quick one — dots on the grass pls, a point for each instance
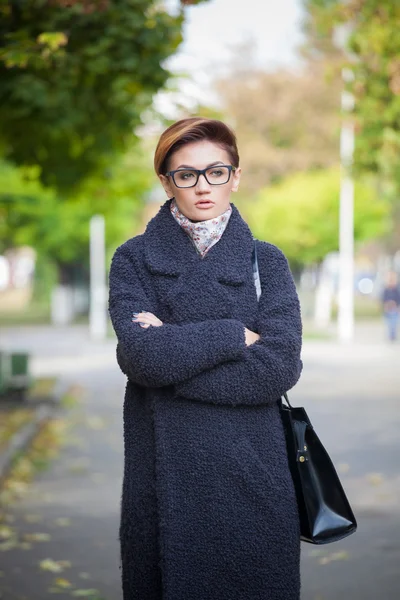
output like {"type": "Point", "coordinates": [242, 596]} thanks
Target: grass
{"type": "Point", "coordinates": [43, 449]}
{"type": "Point", "coordinates": [38, 313]}
{"type": "Point", "coordinates": [13, 421]}
{"type": "Point", "coordinates": [45, 446]}
{"type": "Point", "coordinates": [314, 334]}
{"type": "Point", "coordinates": [42, 387]}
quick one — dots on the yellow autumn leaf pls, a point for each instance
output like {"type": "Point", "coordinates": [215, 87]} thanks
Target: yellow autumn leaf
{"type": "Point", "coordinates": [62, 583]}
{"type": "Point", "coordinates": [334, 556]}
{"type": "Point", "coordinates": [48, 564]}
{"type": "Point", "coordinates": [6, 532]}
{"type": "Point", "coordinates": [37, 537]}
{"type": "Point", "coordinates": [9, 544]}
{"type": "Point", "coordinates": [342, 555]}
{"type": "Point", "coordinates": [375, 478]}
{"type": "Point", "coordinates": [84, 593]}
{"type": "Point", "coordinates": [96, 422]}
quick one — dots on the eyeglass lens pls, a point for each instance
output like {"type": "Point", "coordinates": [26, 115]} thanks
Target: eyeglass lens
{"type": "Point", "coordinates": [214, 175]}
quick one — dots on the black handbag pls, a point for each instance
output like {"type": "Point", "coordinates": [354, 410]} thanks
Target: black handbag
{"type": "Point", "coordinates": [324, 511]}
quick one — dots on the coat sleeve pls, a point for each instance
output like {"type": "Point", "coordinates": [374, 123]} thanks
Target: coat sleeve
{"type": "Point", "coordinates": [169, 354]}
{"type": "Point", "coordinates": [272, 365]}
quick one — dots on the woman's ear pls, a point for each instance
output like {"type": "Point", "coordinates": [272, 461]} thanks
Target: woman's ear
{"type": "Point", "coordinates": [236, 179]}
{"type": "Point", "coordinates": [166, 183]}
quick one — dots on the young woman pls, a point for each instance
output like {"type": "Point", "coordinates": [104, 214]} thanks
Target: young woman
{"type": "Point", "coordinates": [208, 505]}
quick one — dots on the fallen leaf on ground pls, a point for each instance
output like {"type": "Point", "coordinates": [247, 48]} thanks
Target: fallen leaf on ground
{"type": "Point", "coordinates": [9, 545]}
{"type": "Point", "coordinates": [95, 422]}
{"type": "Point", "coordinates": [6, 532]}
{"type": "Point", "coordinates": [55, 566]}
{"type": "Point", "coordinates": [343, 468]}
{"type": "Point", "coordinates": [80, 465]}
{"type": "Point", "coordinates": [37, 537]}
{"type": "Point", "coordinates": [342, 555]}
{"type": "Point", "coordinates": [63, 522]}
{"type": "Point", "coordinates": [375, 478]}
{"type": "Point", "coordinates": [316, 552]}
{"type": "Point", "coordinates": [33, 518]}
{"type": "Point", "coordinates": [25, 546]}
{"type": "Point", "coordinates": [62, 583]}
{"type": "Point", "coordinates": [85, 593]}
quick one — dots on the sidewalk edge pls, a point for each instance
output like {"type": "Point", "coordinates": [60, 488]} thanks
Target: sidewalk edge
{"type": "Point", "coordinates": [21, 440]}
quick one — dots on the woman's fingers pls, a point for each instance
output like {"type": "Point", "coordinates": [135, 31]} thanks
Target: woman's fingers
{"type": "Point", "coordinates": [145, 319]}
{"type": "Point", "coordinates": [251, 336]}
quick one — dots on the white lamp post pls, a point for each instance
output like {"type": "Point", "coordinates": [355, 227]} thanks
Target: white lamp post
{"type": "Point", "coordinates": [346, 220]}
{"type": "Point", "coordinates": [98, 296]}
{"type": "Point", "coordinates": [346, 208]}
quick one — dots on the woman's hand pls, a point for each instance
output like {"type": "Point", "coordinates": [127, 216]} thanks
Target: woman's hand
{"type": "Point", "coordinates": [145, 319]}
{"type": "Point", "coordinates": [251, 336]}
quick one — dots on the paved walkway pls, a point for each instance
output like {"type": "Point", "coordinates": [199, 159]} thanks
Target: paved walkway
{"type": "Point", "coordinates": [351, 394]}
{"type": "Point", "coordinates": [75, 503]}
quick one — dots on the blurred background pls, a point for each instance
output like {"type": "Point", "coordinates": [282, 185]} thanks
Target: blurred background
{"type": "Point", "coordinates": [87, 87]}
{"type": "Point", "coordinates": [312, 89]}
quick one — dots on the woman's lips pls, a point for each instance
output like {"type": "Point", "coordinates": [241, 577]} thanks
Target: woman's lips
{"type": "Point", "coordinates": [204, 204]}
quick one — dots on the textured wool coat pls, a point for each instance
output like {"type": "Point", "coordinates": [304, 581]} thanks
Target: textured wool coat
{"type": "Point", "coordinates": [208, 504]}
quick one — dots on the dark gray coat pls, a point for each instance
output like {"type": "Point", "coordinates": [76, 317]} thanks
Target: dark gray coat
{"type": "Point", "coordinates": [208, 504]}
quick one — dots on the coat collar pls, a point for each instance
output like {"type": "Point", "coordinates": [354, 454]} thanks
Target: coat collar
{"type": "Point", "coordinates": [169, 251]}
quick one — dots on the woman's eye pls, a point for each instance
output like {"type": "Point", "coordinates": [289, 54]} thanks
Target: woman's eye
{"type": "Point", "coordinates": [186, 175]}
{"type": "Point", "coordinates": [216, 173]}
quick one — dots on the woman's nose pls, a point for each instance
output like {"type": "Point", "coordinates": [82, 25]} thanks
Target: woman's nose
{"type": "Point", "coordinates": [202, 184]}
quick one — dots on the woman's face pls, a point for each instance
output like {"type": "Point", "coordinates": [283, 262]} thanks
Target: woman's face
{"type": "Point", "coordinates": [203, 201]}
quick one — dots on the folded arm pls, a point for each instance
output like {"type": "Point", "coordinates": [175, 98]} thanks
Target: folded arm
{"type": "Point", "coordinates": [161, 356]}
{"type": "Point", "coordinates": [272, 365]}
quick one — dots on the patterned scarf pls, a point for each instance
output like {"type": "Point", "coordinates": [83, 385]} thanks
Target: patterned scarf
{"type": "Point", "coordinates": [204, 234]}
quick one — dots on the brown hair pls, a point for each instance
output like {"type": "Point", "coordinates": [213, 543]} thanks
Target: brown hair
{"type": "Point", "coordinates": [194, 129]}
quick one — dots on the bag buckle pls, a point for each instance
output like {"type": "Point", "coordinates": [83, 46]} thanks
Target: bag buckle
{"type": "Point", "coordinates": [302, 455]}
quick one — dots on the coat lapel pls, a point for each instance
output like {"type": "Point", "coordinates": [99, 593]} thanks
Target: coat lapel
{"type": "Point", "coordinates": [169, 251]}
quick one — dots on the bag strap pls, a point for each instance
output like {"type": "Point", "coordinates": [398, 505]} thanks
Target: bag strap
{"type": "Point", "coordinates": [256, 272]}
{"type": "Point", "coordinates": [257, 283]}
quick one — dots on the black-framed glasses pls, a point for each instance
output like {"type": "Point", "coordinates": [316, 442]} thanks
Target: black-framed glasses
{"type": "Point", "coordinates": [187, 178]}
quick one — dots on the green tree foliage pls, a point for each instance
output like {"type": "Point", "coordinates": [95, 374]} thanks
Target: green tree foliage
{"type": "Point", "coordinates": [75, 77]}
{"type": "Point", "coordinates": [374, 46]}
{"type": "Point", "coordinates": [31, 214]}
{"type": "Point", "coordinates": [300, 214]}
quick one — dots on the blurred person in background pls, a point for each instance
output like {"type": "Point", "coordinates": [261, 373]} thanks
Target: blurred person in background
{"type": "Point", "coordinates": [391, 304]}
{"type": "Point", "coordinates": [208, 503]}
